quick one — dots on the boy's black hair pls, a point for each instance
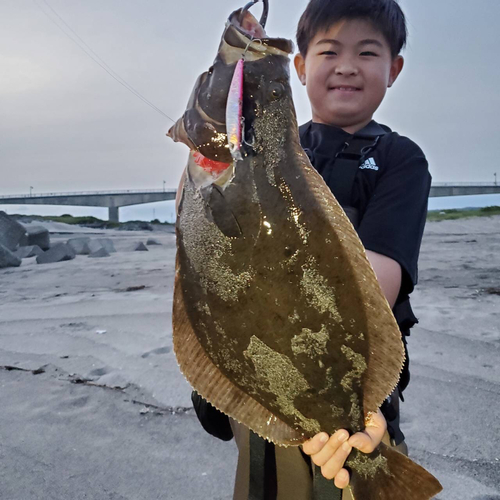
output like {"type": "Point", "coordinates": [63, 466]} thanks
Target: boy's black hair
{"type": "Point", "coordinates": [385, 15]}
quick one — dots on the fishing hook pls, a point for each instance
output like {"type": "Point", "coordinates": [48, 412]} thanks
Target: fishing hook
{"type": "Point", "coordinates": [263, 18]}
{"type": "Point", "coordinates": [250, 144]}
{"type": "Point", "coordinates": [257, 40]}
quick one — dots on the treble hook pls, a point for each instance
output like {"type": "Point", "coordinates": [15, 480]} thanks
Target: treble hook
{"type": "Point", "coordinates": [263, 18]}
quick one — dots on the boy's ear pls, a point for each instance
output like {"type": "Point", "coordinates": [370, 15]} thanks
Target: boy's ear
{"type": "Point", "coordinates": [300, 67]}
{"type": "Point", "coordinates": [396, 68]}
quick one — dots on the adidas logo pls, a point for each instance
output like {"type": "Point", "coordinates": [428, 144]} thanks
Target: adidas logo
{"type": "Point", "coordinates": [370, 164]}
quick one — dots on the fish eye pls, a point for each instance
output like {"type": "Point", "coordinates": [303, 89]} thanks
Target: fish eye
{"type": "Point", "coordinates": [210, 70]}
{"type": "Point", "coordinates": [276, 90]}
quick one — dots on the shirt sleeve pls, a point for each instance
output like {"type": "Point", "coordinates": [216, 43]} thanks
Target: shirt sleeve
{"type": "Point", "coordinates": [394, 220]}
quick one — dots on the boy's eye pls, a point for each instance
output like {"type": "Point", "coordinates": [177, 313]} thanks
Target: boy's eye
{"type": "Point", "coordinates": [328, 53]}
{"type": "Point", "coordinates": [368, 54]}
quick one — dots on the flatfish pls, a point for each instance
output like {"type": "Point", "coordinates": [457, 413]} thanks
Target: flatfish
{"type": "Point", "coordinates": [278, 318]}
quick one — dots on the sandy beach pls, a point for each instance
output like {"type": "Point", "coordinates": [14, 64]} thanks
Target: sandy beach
{"type": "Point", "coordinates": [94, 405]}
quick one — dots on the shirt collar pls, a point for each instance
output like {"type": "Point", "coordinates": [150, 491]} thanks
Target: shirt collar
{"type": "Point", "coordinates": [372, 128]}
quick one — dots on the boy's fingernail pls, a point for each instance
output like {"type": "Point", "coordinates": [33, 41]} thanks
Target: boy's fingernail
{"type": "Point", "coordinates": [343, 437]}
{"type": "Point", "coordinates": [323, 438]}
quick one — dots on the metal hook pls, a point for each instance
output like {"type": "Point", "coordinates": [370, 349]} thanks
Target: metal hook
{"type": "Point", "coordinates": [249, 144]}
{"type": "Point", "coordinates": [250, 43]}
{"type": "Point", "coordinates": [265, 12]}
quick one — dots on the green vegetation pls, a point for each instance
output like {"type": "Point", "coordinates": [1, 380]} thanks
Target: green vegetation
{"type": "Point", "coordinates": [88, 221]}
{"type": "Point", "coordinates": [438, 215]}
{"type": "Point", "coordinates": [69, 219]}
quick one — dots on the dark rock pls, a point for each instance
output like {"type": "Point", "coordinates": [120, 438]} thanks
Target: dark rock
{"type": "Point", "coordinates": [141, 247]}
{"type": "Point", "coordinates": [151, 241]}
{"type": "Point", "coordinates": [134, 288]}
{"type": "Point", "coordinates": [11, 231]}
{"type": "Point", "coordinates": [107, 243]}
{"type": "Point", "coordinates": [27, 252]}
{"type": "Point", "coordinates": [8, 259]}
{"type": "Point", "coordinates": [102, 252]}
{"type": "Point", "coordinates": [57, 253]}
{"type": "Point", "coordinates": [80, 245]}
{"type": "Point", "coordinates": [37, 235]}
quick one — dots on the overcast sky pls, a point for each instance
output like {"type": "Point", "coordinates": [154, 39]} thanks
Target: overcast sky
{"type": "Point", "coordinates": [66, 125]}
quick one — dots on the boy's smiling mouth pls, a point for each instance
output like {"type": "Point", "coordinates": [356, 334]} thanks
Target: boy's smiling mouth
{"type": "Point", "coordinates": [345, 88]}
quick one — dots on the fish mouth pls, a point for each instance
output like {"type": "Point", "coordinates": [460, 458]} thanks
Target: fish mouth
{"type": "Point", "coordinates": [245, 32]}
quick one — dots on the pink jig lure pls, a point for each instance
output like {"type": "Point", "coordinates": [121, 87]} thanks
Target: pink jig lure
{"type": "Point", "coordinates": [234, 112]}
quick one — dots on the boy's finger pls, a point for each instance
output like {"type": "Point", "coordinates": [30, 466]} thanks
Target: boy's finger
{"type": "Point", "coordinates": [342, 479]}
{"type": "Point", "coordinates": [315, 444]}
{"type": "Point", "coordinates": [334, 465]}
{"type": "Point", "coordinates": [331, 448]}
{"type": "Point", "coordinates": [362, 441]}
{"type": "Point", "coordinates": [367, 440]}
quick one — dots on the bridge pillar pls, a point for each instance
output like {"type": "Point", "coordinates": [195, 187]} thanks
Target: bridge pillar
{"type": "Point", "coordinates": [113, 214]}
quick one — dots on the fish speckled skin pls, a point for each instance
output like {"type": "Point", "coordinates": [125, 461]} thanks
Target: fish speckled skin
{"type": "Point", "coordinates": [278, 317]}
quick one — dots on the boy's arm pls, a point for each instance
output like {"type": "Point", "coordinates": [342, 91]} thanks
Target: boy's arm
{"type": "Point", "coordinates": [389, 275]}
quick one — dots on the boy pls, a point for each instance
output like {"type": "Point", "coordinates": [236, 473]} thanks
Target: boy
{"type": "Point", "coordinates": [349, 56]}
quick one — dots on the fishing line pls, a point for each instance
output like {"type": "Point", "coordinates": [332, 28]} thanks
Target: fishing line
{"type": "Point", "coordinates": [97, 59]}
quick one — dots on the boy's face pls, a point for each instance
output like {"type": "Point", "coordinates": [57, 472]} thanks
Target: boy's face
{"type": "Point", "coordinates": [347, 71]}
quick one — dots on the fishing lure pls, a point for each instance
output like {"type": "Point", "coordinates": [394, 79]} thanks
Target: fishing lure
{"type": "Point", "coordinates": [234, 107]}
{"type": "Point", "coordinates": [234, 112]}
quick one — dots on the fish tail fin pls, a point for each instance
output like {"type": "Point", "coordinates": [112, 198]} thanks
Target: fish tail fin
{"type": "Point", "coordinates": [387, 473]}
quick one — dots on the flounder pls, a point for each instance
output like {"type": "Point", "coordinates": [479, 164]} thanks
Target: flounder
{"type": "Point", "coordinates": [278, 318]}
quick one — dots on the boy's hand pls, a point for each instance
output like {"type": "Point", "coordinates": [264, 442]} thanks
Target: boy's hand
{"type": "Point", "coordinates": [330, 453]}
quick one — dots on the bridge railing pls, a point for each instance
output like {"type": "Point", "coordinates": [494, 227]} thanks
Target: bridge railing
{"type": "Point", "coordinates": [462, 184]}
{"type": "Point", "coordinates": [88, 193]}
{"type": "Point", "coordinates": [170, 190]}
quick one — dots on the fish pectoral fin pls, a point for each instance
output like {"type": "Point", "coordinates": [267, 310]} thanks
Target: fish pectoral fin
{"type": "Point", "coordinates": [219, 211]}
{"type": "Point", "coordinates": [387, 473]}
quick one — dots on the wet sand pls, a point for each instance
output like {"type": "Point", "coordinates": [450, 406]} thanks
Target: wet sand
{"type": "Point", "coordinates": [90, 415]}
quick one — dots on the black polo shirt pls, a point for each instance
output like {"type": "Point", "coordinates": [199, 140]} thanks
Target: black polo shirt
{"type": "Point", "coordinates": [390, 191]}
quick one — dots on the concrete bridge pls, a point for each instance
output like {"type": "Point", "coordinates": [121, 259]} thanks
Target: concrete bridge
{"type": "Point", "coordinates": [111, 199]}
{"type": "Point", "coordinates": [463, 188]}
{"type": "Point", "coordinates": [116, 199]}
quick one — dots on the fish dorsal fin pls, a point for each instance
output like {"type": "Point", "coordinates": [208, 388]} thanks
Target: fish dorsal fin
{"type": "Point", "coordinates": [212, 385]}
